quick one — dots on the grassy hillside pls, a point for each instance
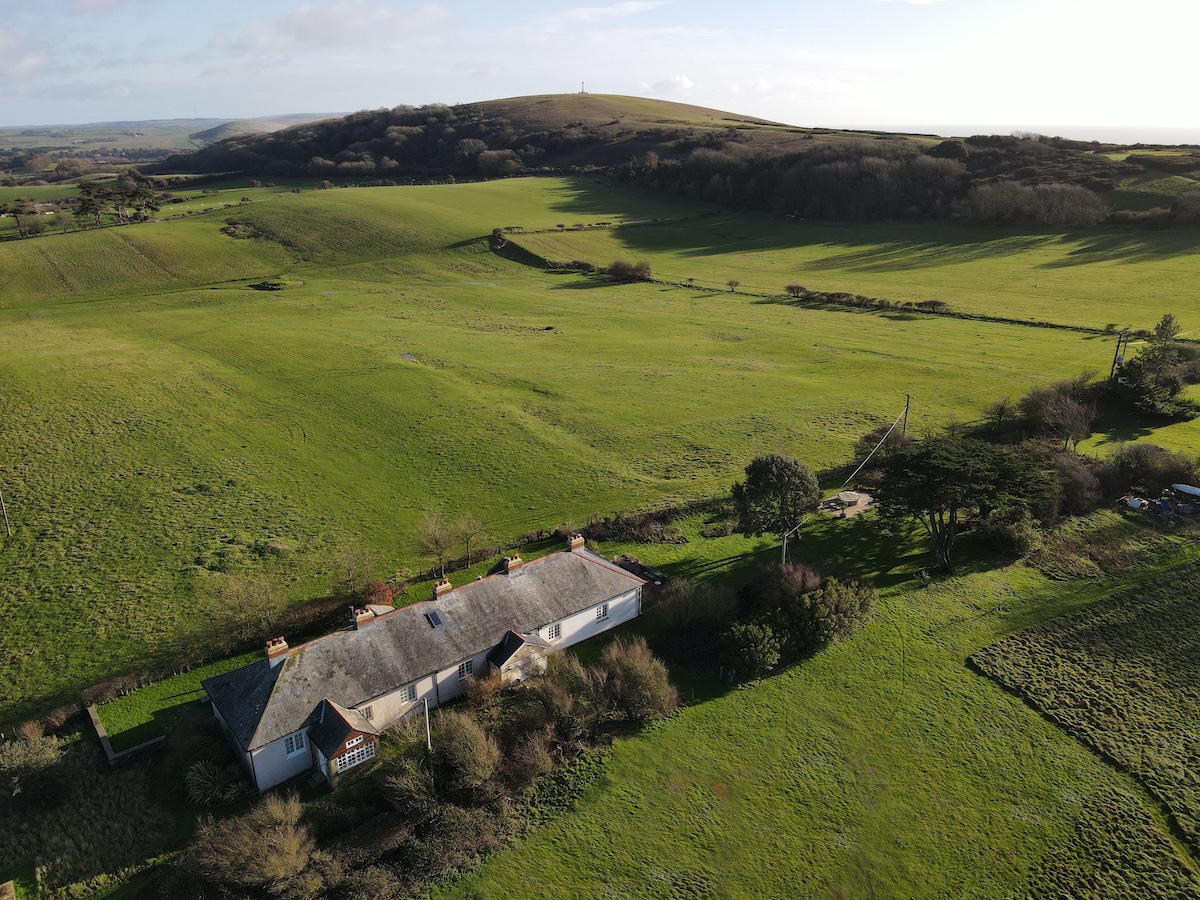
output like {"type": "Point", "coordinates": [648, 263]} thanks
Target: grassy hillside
{"type": "Point", "coordinates": [166, 428]}
{"type": "Point", "coordinates": [1092, 278]}
{"type": "Point", "coordinates": [163, 438]}
{"type": "Point", "coordinates": [882, 767]}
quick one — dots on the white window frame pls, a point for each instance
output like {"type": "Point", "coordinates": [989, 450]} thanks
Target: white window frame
{"type": "Point", "coordinates": [554, 632]}
{"type": "Point", "coordinates": [368, 712]}
{"type": "Point", "coordinates": [354, 742]}
{"type": "Point", "coordinates": [408, 694]}
{"type": "Point", "coordinates": [466, 669]}
{"type": "Point", "coordinates": [352, 758]}
{"type": "Point", "coordinates": [294, 744]}
{"type": "Point", "coordinates": [601, 612]}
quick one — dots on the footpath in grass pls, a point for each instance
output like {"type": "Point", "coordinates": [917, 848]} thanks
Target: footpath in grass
{"type": "Point", "coordinates": [1122, 676]}
{"type": "Point", "coordinates": [882, 767]}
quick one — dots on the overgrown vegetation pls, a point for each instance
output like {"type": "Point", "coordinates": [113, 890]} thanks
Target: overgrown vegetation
{"type": "Point", "coordinates": [498, 764]}
{"type": "Point", "coordinates": [1120, 675]}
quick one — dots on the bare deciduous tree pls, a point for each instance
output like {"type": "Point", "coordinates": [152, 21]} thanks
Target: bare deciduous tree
{"type": "Point", "coordinates": [435, 536]}
{"type": "Point", "coordinates": [470, 530]}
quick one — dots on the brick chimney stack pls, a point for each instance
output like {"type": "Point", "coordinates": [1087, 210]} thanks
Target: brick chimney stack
{"type": "Point", "coordinates": [575, 541]}
{"type": "Point", "coordinates": [442, 588]}
{"type": "Point", "coordinates": [361, 616]}
{"type": "Point", "coordinates": [277, 648]}
{"type": "Point", "coordinates": [512, 563]}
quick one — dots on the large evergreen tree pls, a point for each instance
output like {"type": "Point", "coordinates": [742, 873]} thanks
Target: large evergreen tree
{"type": "Point", "coordinates": [776, 494]}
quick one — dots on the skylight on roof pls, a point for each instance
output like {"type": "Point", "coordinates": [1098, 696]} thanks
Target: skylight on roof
{"type": "Point", "coordinates": [435, 621]}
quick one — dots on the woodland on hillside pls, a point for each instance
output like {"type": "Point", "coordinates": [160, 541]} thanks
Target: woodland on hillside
{"type": "Point", "coordinates": [829, 175]}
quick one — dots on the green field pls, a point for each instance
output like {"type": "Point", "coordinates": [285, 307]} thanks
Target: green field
{"type": "Point", "coordinates": [165, 428]}
{"type": "Point", "coordinates": [1093, 278]}
{"type": "Point", "coordinates": [883, 765]}
{"type": "Point", "coordinates": [163, 423]}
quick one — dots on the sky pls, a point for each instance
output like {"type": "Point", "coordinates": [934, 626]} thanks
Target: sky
{"type": "Point", "coordinates": [1086, 69]}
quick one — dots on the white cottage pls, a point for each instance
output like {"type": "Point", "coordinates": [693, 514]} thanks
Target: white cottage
{"type": "Point", "coordinates": [322, 705]}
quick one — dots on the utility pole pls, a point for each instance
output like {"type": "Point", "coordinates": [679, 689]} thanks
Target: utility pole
{"type": "Point", "coordinates": [7, 527]}
{"type": "Point", "coordinates": [783, 555]}
{"type": "Point", "coordinates": [904, 427]}
{"type": "Point", "coordinates": [428, 739]}
{"type": "Point", "coordinates": [1119, 354]}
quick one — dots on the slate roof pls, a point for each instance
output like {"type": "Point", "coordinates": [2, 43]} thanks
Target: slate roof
{"type": "Point", "coordinates": [511, 643]}
{"type": "Point", "coordinates": [261, 703]}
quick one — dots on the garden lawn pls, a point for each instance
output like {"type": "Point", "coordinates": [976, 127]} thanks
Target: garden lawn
{"type": "Point", "coordinates": [152, 711]}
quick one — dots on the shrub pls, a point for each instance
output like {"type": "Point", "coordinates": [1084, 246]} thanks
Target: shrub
{"type": "Point", "coordinates": [209, 783]}
{"type": "Point", "coordinates": [621, 270]}
{"type": "Point", "coordinates": [379, 594]}
{"type": "Point", "coordinates": [528, 760]}
{"type": "Point", "coordinates": [1149, 468]}
{"type": "Point", "coordinates": [409, 788]}
{"type": "Point", "coordinates": [637, 681]}
{"type": "Point", "coordinates": [777, 583]}
{"type": "Point", "coordinates": [1010, 532]}
{"type": "Point", "coordinates": [465, 755]}
{"type": "Point", "coordinates": [25, 764]}
{"type": "Point", "coordinates": [482, 691]}
{"type": "Point", "coordinates": [1079, 488]}
{"type": "Point", "coordinates": [813, 620]}
{"type": "Point", "coordinates": [795, 290]}
{"type": "Point", "coordinates": [266, 849]}
{"type": "Point", "coordinates": [555, 700]}
{"type": "Point", "coordinates": [750, 649]}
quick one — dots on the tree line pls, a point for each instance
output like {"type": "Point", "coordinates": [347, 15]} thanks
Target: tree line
{"type": "Point", "coordinates": [985, 178]}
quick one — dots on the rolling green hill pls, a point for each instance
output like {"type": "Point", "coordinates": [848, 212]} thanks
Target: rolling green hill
{"type": "Point", "coordinates": [287, 383]}
{"type": "Point", "coordinates": [163, 422]}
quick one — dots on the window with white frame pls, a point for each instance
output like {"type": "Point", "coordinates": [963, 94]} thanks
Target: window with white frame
{"type": "Point", "coordinates": [352, 758]}
{"type": "Point", "coordinates": [554, 632]}
{"type": "Point", "coordinates": [601, 612]}
{"type": "Point", "coordinates": [294, 743]}
{"type": "Point", "coordinates": [354, 742]}
{"type": "Point", "coordinates": [465, 668]}
{"type": "Point", "coordinates": [368, 712]}
{"type": "Point", "coordinates": [409, 694]}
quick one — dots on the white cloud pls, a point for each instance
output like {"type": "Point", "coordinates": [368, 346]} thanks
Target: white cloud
{"type": "Point", "coordinates": [613, 11]}
{"type": "Point", "coordinates": [340, 24]}
{"type": "Point", "coordinates": [95, 7]}
{"type": "Point", "coordinates": [676, 85]}
{"type": "Point", "coordinates": [22, 60]}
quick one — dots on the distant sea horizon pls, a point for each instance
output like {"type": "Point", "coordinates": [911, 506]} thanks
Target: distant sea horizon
{"type": "Point", "coordinates": [1107, 134]}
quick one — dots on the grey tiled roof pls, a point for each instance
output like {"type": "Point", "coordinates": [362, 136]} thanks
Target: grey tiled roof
{"type": "Point", "coordinates": [261, 703]}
